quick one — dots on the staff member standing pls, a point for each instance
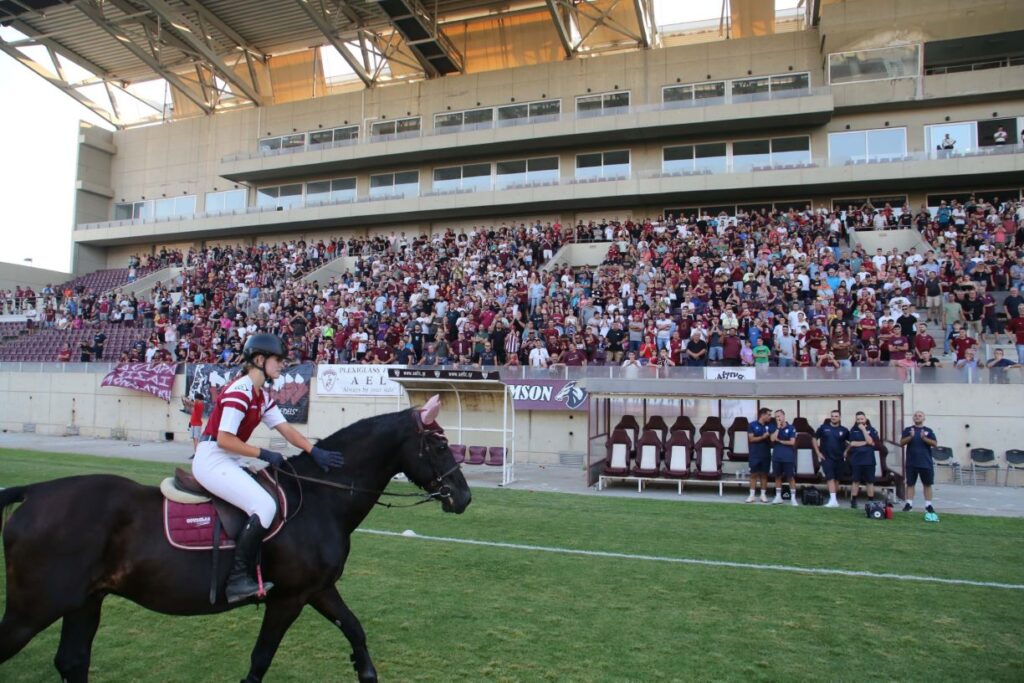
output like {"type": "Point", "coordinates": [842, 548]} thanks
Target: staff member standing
{"type": "Point", "coordinates": [758, 435]}
{"type": "Point", "coordinates": [830, 444]}
{"type": "Point", "coordinates": [861, 451]}
{"type": "Point", "coordinates": [784, 457]}
{"type": "Point", "coordinates": [919, 441]}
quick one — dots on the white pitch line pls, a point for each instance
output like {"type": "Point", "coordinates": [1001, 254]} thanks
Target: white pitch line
{"type": "Point", "coordinates": [703, 563]}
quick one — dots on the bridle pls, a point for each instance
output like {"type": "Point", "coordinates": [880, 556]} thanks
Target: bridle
{"type": "Point", "coordinates": [440, 491]}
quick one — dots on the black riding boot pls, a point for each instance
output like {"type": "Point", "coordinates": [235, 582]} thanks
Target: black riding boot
{"type": "Point", "coordinates": [241, 581]}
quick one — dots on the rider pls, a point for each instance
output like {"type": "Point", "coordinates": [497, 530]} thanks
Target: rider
{"type": "Point", "coordinates": [223, 453]}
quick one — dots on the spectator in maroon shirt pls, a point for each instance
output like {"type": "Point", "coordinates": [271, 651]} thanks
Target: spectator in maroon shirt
{"type": "Point", "coordinates": [731, 346]}
{"type": "Point", "coordinates": [922, 341]}
{"type": "Point", "coordinates": [962, 343]}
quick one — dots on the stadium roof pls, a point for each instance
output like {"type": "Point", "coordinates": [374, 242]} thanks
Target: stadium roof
{"type": "Point", "coordinates": [140, 61]}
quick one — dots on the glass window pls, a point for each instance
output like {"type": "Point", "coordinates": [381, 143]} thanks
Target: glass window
{"type": "Point", "coordinates": [847, 148]}
{"type": "Point", "coordinates": [479, 118]}
{"type": "Point", "coordinates": [602, 165]}
{"type": "Point", "coordinates": [513, 114]}
{"type": "Point", "coordinates": [407, 126]}
{"type": "Point", "coordinates": [709, 91]}
{"type": "Point", "coordinates": [123, 212]}
{"type": "Point", "coordinates": [962, 137]}
{"type": "Point", "coordinates": [269, 145]}
{"type": "Point", "coordinates": [279, 197]}
{"type": "Point", "coordinates": [398, 127]}
{"type": "Point", "coordinates": [318, 192]}
{"type": "Point", "coordinates": [476, 177]}
{"type": "Point", "coordinates": [677, 159]}
{"type": "Point", "coordinates": [887, 144]}
{"type": "Point", "coordinates": [677, 93]}
{"type": "Point", "coordinates": [900, 61]}
{"type": "Point", "coordinates": [448, 120]}
{"type": "Point", "coordinates": [751, 154]}
{"type": "Point", "coordinates": [588, 166]}
{"type": "Point", "coordinates": [175, 207]}
{"type": "Point", "coordinates": [330, 191]}
{"type": "Point", "coordinates": [597, 105]}
{"type": "Point", "coordinates": [987, 132]}
{"type": "Point", "coordinates": [590, 104]}
{"type": "Point", "coordinates": [791, 151]}
{"type": "Point", "coordinates": [789, 82]}
{"type": "Point", "coordinates": [749, 89]}
{"type": "Point", "coordinates": [547, 110]}
{"type": "Point", "coordinates": [223, 202]}
{"type": "Point", "coordinates": [542, 170]}
{"type": "Point", "coordinates": [266, 197]}
{"type": "Point", "coordinates": [447, 179]}
{"type": "Point", "coordinates": [402, 184]}
{"type": "Point", "coordinates": [616, 100]}
{"type": "Point", "coordinates": [710, 157]}
{"type": "Point", "coordinates": [616, 164]}
{"type": "Point", "coordinates": [321, 137]}
{"type": "Point", "coordinates": [293, 141]}
{"type": "Point", "coordinates": [509, 174]}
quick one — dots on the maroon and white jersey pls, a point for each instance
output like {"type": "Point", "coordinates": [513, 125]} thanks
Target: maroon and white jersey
{"type": "Point", "coordinates": [238, 410]}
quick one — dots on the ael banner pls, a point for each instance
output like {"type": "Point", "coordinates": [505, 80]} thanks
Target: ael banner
{"type": "Point", "coordinates": [355, 380]}
{"type": "Point", "coordinates": [548, 394]}
{"type": "Point", "coordinates": [290, 390]}
{"type": "Point", "coordinates": [151, 378]}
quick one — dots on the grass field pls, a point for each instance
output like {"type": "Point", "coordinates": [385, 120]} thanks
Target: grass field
{"type": "Point", "coordinates": [438, 611]}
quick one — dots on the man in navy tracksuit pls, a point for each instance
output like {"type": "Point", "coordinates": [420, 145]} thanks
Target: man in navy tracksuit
{"type": "Point", "coordinates": [919, 441]}
{"type": "Point", "coordinates": [758, 436]}
{"type": "Point", "coordinates": [784, 457]}
{"type": "Point", "coordinates": [829, 445]}
{"type": "Point", "coordinates": [861, 451]}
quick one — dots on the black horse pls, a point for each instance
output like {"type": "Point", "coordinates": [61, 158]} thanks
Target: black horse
{"type": "Point", "coordinates": [76, 540]}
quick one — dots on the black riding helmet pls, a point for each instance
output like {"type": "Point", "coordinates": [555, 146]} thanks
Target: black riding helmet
{"type": "Point", "coordinates": [265, 344]}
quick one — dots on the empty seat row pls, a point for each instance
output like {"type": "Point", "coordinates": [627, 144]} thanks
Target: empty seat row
{"type": "Point", "coordinates": [478, 455]}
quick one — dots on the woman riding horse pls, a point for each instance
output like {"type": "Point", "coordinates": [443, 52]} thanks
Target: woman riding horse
{"type": "Point", "coordinates": [220, 462]}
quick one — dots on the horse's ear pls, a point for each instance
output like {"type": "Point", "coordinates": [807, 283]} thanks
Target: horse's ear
{"type": "Point", "coordinates": [430, 409]}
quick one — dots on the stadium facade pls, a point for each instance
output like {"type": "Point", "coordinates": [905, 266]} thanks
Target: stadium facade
{"type": "Point", "coordinates": [854, 106]}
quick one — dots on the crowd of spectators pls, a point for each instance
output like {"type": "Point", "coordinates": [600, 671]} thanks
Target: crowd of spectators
{"type": "Point", "coordinates": [787, 288]}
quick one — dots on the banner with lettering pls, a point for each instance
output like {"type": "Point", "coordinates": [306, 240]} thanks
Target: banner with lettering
{"type": "Point", "coordinates": [290, 390]}
{"type": "Point", "coordinates": [355, 380]}
{"type": "Point", "coordinates": [548, 394]}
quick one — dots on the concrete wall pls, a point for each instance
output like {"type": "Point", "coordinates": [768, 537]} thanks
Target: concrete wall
{"type": "Point", "coordinates": [963, 416]}
{"type": "Point", "coordinates": [13, 275]}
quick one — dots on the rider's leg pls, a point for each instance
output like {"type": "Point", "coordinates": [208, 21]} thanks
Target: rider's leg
{"type": "Point", "coordinates": [241, 581]}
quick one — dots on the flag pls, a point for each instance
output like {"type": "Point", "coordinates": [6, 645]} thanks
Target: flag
{"type": "Point", "coordinates": [152, 378]}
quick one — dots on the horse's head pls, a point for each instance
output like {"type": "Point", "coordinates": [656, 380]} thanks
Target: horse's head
{"type": "Point", "coordinates": [429, 463]}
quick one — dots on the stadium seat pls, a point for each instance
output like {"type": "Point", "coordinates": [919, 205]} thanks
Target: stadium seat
{"type": "Point", "coordinates": [678, 452]}
{"type": "Point", "coordinates": [648, 454]}
{"type": "Point", "coordinates": [714, 424]}
{"type": "Point", "coordinates": [458, 452]}
{"type": "Point", "coordinates": [496, 456]}
{"type": "Point", "coordinates": [619, 447]}
{"type": "Point", "coordinates": [942, 456]}
{"type": "Point", "coordinates": [739, 447]}
{"type": "Point", "coordinates": [477, 455]}
{"type": "Point", "coordinates": [657, 423]}
{"type": "Point", "coordinates": [983, 460]}
{"type": "Point", "coordinates": [807, 466]}
{"type": "Point", "coordinates": [684, 423]}
{"type": "Point", "coordinates": [632, 427]}
{"type": "Point", "coordinates": [709, 450]}
{"type": "Point", "coordinates": [1014, 462]}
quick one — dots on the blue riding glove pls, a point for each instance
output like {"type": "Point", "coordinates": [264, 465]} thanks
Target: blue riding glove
{"type": "Point", "coordinates": [326, 459]}
{"type": "Point", "coordinates": [275, 459]}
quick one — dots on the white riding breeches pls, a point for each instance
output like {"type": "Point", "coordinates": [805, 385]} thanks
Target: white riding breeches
{"type": "Point", "coordinates": [224, 475]}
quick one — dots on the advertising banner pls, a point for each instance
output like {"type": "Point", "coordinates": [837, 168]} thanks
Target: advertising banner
{"type": "Point", "coordinates": [730, 374]}
{"type": "Point", "coordinates": [548, 394]}
{"type": "Point", "coordinates": [290, 390]}
{"type": "Point", "coordinates": [355, 380]}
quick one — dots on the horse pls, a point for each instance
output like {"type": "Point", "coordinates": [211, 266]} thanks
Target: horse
{"type": "Point", "coordinates": [75, 540]}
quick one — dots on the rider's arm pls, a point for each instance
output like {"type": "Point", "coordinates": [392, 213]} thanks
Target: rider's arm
{"type": "Point", "coordinates": [232, 444]}
{"type": "Point", "coordinates": [294, 437]}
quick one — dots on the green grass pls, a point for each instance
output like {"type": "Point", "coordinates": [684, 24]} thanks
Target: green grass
{"type": "Point", "coordinates": [445, 612]}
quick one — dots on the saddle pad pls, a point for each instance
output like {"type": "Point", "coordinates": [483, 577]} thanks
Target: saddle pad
{"type": "Point", "coordinates": [189, 526]}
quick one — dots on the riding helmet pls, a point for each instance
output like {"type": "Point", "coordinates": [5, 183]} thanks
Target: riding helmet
{"type": "Point", "coordinates": [265, 344]}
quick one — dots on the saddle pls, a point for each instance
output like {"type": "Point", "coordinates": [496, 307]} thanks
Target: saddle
{"type": "Point", "coordinates": [195, 519]}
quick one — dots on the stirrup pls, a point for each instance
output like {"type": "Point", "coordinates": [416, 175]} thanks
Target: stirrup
{"type": "Point", "coordinates": [244, 589]}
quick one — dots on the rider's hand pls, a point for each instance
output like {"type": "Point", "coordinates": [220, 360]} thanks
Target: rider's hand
{"type": "Point", "coordinates": [326, 459]}
{"type": "Point", "coordinates": [274, 458]}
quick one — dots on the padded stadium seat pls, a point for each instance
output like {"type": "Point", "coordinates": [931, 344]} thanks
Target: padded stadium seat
{"type": "Point", "coordinates": [801, 424]}
{"type": "Point", "coordinates": [807, 466]}
{"type": "Point", "coordinates": [477, 455]}
{"type": "Point", "coordinates": [495, 456]}
{"type": "Point", "coordinates": [739, 446]}
{"type": "Point", "coordinates": [657, 423]}
{"type": "Point", "coordinates": [458, 452]}
{"type": "Point", "coordinates": [632, 427]}
{"type": "Point", "coordinates": [685, 424]}
{"type": "Point", "coordinates": [709, 451]}
{"type": "Point", "coordinates": [714, 424]}
{"type": "Point", "coordinates": [678, 452]}
{"type": "Point", "coordinates": [619, 447]}
{"type": "Point", "coordinates": [983, 460]}
{"type": "Point", "coordinates": [648, 454]}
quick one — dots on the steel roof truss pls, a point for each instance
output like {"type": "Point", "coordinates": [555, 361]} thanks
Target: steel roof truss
{"type": "Point", "coordinates": [319, 17]}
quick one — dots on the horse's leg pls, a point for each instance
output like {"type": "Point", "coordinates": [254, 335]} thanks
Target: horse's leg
{"type": "Point", "coordinates": [329, 603]}
{"type": "Point", "coordinates": [279, 617]}
{"type": "Point", "coordinates": [15, 632]}
{"type": "Point", "coordinates": [76, 634]}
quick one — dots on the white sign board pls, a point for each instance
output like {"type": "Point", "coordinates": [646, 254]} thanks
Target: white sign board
{"type": "Point", "coordinates": [729, 374]}
{"type": "Point", "coordinates": [355, 380]}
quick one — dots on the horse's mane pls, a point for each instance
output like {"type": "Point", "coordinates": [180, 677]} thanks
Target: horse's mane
{"type": "Point", "coordinates": [389, 424]}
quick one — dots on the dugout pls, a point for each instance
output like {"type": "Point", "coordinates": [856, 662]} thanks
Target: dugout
{"type": "Point", "coordinates": [650, 405]}
{"type": "Point", "coordinates": [476, 412]}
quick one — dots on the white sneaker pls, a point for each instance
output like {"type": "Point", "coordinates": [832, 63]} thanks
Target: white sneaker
{"type": "Point", "coordinates": [764, 498]}
{"type": "Point", "coordinates": [751, 498]}
{"type": "Point", "coordinates": [792, 501]}
{"type": "Point", "coordinates": [777, 500]}
{"type": "Point", "coordinates": [832, 504]}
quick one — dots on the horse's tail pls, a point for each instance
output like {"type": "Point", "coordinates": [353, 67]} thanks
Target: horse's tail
{"type": "Point", "coordinates": [15, 494]}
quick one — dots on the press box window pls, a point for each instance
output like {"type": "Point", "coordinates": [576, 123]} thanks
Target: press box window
{"type": "Point", "coordinates": [602, 165]}
{"type": "Point", "coordinates": [471, 177]}
{"type": "Point", "coordinates": [280, 197]}
{"type": "Point", "coordinates": [395, 185]}
{"type": "Point", "coordinates": [175, 207]}
{"type": "Point", "coordinates": [334, 136]}
{"type": "Point", "coordinates": [335, 191]}
{"type": "Point", "coordinates": [541, 171]}
{"type": "Point", "coordinates": [396, 128]}
{"type": "Point", "coordinates": [226, 201]}
{"type": "Point", "coordinates": [599, 105]}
